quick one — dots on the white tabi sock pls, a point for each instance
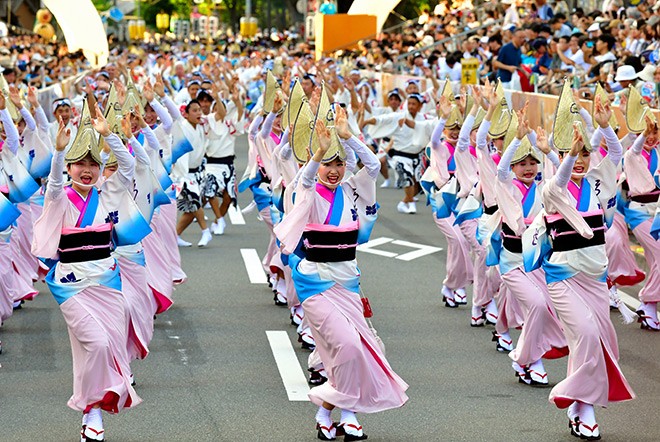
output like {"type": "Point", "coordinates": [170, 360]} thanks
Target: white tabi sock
{"type": "Point", "coordinates": [350, 423]}
{"type": "Point", "coordinates": [95, 419]}
{"type": "Point", "coordinates": [324, 417]}
{"type": "Point", "coordinates": [587, 414]}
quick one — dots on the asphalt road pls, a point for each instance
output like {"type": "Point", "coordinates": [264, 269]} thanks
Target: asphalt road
{"type": "Point", "coordinates": [211, 374]}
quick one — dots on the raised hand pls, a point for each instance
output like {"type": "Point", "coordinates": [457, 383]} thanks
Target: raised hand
{"type": "Point", "coordinates": [493, 100]}
{"type": "Point", "coordinates": [578, 142]}
{"type": "Point", "coordinates": [32, 97]}
{"type": "Point", "coordinates": [324, 140]}
{"type": "Point", "coordinates": [444, 107]}
{"type": "Point", "coordinates": [523, 123]}
{"type": "Point", "coordinates": [477, 97]}
{"type": "Point", "coordinates": [63, 136]}
{"type": "Point", "coordinates": [159, 86]}
{"type": "Point", "coordinates": [277, 105]}
{"type": "Point", "coordinates": [341, 123]}
{"type": "Point", "coordinates": [462, 101]}
{"type": "Point", "coordinates": [542, 140]}
{"type": "Point", "coordinates": [138, 114]}
{"type": "Point", "coordinates": [651, 126]}
{"type": "Point", "coordinates": [87, 87]}
{"type": "Point", "coordinates": [623, 103]}
{"type": "Point", "coordinates": [15, 97]}
{"type": "Point", "coordinates": [100, 124]}
{"type": "Point", "coordinates": [148, 92]}
{"type": "Point", "coordinates": [487, 90]}
{"type": "Point", "coordinates": [121, 91]}
{"type": "Point", "coordinates": [602, 113]}
{"type": "Point", "coordinates": [126, 126]}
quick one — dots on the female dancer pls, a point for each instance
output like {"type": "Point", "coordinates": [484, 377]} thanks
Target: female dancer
{"type": "Point", "coordinates": [439, 176]}
{"type": "Point", "coordinates": [579, 201]}
{"type": "Point", "coordinates": [519, 201]}
{"type": "Point", "coordinates": [641, 165]}
{"type": "Point", "coordinates": [76, 227]}
{"type": "Point", "coordinates": [332, 217]}
{"type": "Point", "coordinates": [509, 312]}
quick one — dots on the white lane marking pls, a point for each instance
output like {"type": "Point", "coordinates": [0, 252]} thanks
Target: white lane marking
{"type": "Point", "coordinates": [235, 215]}
{"type": "Point", "coordinates": [422, 250]}
{"type": "Point", "coordinates": [291, 373]}
{"type": "Point", "coordinates": [368, 247]}
{"type": "Point", "coordinates": [253, 266]}
{"type": "Point", "coordinates": [631, 302]}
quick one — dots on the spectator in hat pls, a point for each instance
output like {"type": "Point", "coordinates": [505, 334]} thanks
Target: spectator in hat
{"type": "Point", "coordinates": [594, 30]}
{"type": "Point", "coordinates": [647, 84]}
{"type": "Point", "coordinates": [625, 76]}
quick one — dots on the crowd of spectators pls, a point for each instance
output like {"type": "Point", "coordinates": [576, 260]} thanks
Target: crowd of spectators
{"type": "Point", "coordinates": [27, 60]}
{"type": "Point", "coordinates": [534, 45]}
{"type": "Point", "coordinates": [530, 45]}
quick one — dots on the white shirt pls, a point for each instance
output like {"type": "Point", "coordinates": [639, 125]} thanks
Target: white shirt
{"type": "Point", "coordinates": [578, 59]}
{"type": "Point", "coordinates": [607, 56]}
{"type": "Point", "coordinates": [221, 136]}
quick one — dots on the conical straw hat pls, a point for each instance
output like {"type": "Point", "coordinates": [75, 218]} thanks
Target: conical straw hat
{"type": "Point", "coordinates": [636, 112]}
{"type": "Point", "coordinates": [272, 88]}
{"type": "Point", "coordinates": [133, 97]}
{"type": "Point", "coordinates": [566, 115]}
{"type": "Point", "coordinates": [300, 113]}
{"type": "Point", "coordinates": [4, 87]}
{"type": "Point", "coordinates": [327, 115]}
{"type": "Point", "coordinates": [86, 141]}
{"type": "Point", "coordinates": [600, 92]}
{"type": "Point", "coordinates": [501, 116]}
{"type": "Point", "coordinates": [455, 119]}
{"type": "Point", "coordinates": [524, 150]}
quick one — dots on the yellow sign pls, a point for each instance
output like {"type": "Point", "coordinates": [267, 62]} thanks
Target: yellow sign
{"type": "Point", "coordinates": [469, 68]}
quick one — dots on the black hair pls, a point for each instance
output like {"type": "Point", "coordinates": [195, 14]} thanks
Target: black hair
{"type": "Point", "coordinates": [545, 28]}
{"type": "Point", "coordinates": [496, 37]}
{"type": "Point", "coordinates": [609, 40]}
{"type": "Point", "coordinates": [635, 62]}
{"type": "Point", "coordinates": [583, 39]}
{"type": "Point", "coordinates": [190, 103]}
{"type": "Point", "coordinates": [202, 95]}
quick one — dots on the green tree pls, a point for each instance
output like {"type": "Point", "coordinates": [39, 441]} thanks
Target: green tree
{"type": "Point", "coordinates": [102, 5]}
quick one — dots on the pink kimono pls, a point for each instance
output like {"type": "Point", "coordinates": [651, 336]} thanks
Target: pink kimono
{"type": "Point", "coordinates": [332, 223]}
{"type": "Point", "coordinates": [576, 270]}
{"type": "Point", "coordinates": [542, 335]}
{"type": "Point", "coordinates": [87, 286]}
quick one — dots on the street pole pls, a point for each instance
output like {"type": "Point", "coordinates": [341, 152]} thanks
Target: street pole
{"type": "Point", "coordinates": [248, 8]}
